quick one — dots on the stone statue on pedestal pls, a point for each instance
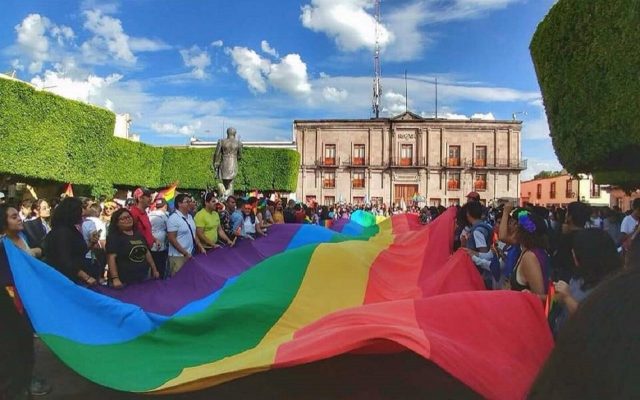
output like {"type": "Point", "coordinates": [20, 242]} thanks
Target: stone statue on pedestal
{"type": "Point", "coordinates": [225, 162]}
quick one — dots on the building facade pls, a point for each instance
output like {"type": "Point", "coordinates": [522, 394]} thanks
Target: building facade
{"type": "Point", "coordinates": [564, 189]}
{"type": "Point", "coordinates": [405, 158]}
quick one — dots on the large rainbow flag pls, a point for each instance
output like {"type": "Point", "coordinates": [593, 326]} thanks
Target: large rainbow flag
{"type": "Point", "coordinates": [303, 293]}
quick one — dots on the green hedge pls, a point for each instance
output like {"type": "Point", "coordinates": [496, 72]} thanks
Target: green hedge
{"type": "Point", "coordinates": [44, 136]}
{"type": "Point", "coordinates": [587, 57]}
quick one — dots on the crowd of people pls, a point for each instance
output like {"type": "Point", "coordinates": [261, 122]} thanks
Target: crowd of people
{"type": "Point", "coordinates": [565, 252]}
{"type": "Point", "coordinates": [561, 252]}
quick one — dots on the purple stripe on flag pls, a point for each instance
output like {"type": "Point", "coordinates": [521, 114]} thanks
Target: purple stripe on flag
{"type": "Point", "coordinates": [204, 274]}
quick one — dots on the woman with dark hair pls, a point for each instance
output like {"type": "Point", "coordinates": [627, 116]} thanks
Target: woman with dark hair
{"type": "Point", "coordinates": [64, 247]}
{"type": "Point", "coordinates": [12, 227]}
{"type": "Point", "coordinates": [128, 256]}
{"type": "Point", "coordinates": [37, 227]}
{"type": "Point", "coordinates": [597, 352]}
{"type": "Point", "coordinates": [596, 258]}
{"type": "Point", "coordinates": [528, 231]}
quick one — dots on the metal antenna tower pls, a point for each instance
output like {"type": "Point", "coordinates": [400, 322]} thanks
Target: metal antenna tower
{"type": "Point", "coordinates": [377, 88]}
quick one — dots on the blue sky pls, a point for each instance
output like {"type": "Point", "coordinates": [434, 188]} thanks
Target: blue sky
{"type": "Point", "coordinates": [184, 68]}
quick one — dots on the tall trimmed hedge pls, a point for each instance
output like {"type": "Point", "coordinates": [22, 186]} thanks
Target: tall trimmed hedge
{"type": "Point", "coordinates": [44, 136]}
{"type": "Point", "coordinates": [587, 58]}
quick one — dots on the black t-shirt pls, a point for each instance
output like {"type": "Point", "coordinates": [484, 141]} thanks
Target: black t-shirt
{"type": "Point", "coordinates": [130, 251]}
{"type": "Point", "coordinates": [64, 249]}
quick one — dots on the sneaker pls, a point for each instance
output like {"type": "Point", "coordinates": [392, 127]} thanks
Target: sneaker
{"type": "Point", "coordinates": [39, 387]}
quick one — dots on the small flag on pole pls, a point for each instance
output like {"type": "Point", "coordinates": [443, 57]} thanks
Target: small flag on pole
{"type": "Point", "coordinates": [68, 192]}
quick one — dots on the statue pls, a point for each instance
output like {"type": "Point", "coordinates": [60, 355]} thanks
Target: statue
{"type": "Point", "coordinates": [225, 162]}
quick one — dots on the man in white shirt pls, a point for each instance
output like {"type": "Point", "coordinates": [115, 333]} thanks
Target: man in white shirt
{"type": "Point", "coordinates": [159, 218]}
{"type": "Point", "coordinates": [181, 232]}
{"type": "Point", "coordinates": [629, 224]}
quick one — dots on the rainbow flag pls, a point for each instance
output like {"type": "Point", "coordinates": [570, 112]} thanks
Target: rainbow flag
{"type": "Point", "coordinates": [302, 294]}
{"type": "Point", "coordinates": [169, 194]}
{"type": "Point", "coordinates": [68, 191]}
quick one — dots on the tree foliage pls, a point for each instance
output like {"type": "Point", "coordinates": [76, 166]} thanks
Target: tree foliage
{"type": "Point", "coordinates": [48, 137]}
{"type": "Point", "coordinates": [587, 57]}
{"type": "Point", "coordinates": [548, 174]}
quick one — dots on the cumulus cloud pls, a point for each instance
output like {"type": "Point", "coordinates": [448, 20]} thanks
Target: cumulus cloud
{"type": "Point", "coordinates": [40, 41]}
{"type": "Point", "coordinates": [86, 90]}
{"type": "Point", "coordinates": [334, 95]}
{"type": "Point", "coordinates": [109, 39]}
{"type": "Point", "coordinates": [32, 40]}
{"type": "Point", "coordinates": [197, 59]}
{"type": "Point", "coordinates": [289, 74]}
{"type": "Point", "coordinates": [351, 24]}
{"type": "Point", "coordinates": [348, 22]}
{"type": "Point", "coordinates": [266, 48]}
{"type": "Point", "coordinates": [189, 129]}
{"type": "Point", "coordinates": [251, 67]}
{"type": "Point", "coordinates": [217, 43]}
{"type": "Point", "coordinates": [393, 103]}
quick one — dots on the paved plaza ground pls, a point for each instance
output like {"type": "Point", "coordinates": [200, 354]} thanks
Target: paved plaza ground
{"type": "Point", "coordinates": [394, 376]}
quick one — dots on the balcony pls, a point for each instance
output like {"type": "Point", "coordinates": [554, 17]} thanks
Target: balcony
{"type": "Point", "coordinates": [453, 162]}
{"type": "Point", "coordinates": [511, 164]}
{"type": "Point", "coordinates": [453, 184]}
{"type": "Point", "coordinates": [480, 186]}
{"type": "Point", "coordinates": [357, 183]}
{"type": "Point", "coordinates": [328, 162]}
{"type": "Point", "coordinates": [355, 162]}
{"type": "Point", "coordinates": [328, 183]}
{"type": "Point", "coordinates": [407, 162]}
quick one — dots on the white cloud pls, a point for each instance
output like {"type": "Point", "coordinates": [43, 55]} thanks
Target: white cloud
{"type": "Point", "coordinates": [86, 90]}
{"type": "Point", "coordinates": [454, 10]}
{"type": "Point", "coordinates": [536, 165]}
{"type": "Point", "coordinates": [352, 25]}
{"type": "Point", "coordinates": [348, 22]}
{"type": "Point", "coordinates": [251, 67]}
{"type": "Point", "coordinates": [62, 34]}
{"type": "Point", "coordinates": [198, 59]}
{"type": "Point", "coordinates": [189, 129]}
{"type": "Point", "coordinates": [487, 116]}
{"type": "Point", "coordinates": [334, 95]}
{"type": "Point", "coordinates": [143, 44]}
{"type": "Point", "coordinates": [32, 40]}
{"type": "Point", "coordinates": [405, 24]}
{"type": "Point", "coordinates": [266, 48]}
{"type": "Point", "coordinates": [217, 43]}
{"type": "Point", "coordinates": [536, 128]}
{"type": "Point", "coordinates": [17, 65]}
{"type": "Point", "coordinates": [109, 39]}
{"type": "Point", "coordinates": [393, 103]}
{"type": "Point", "coordinates": [289, 74]}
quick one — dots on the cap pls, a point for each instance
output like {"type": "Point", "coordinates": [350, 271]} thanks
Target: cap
{"type": "Point", "coordinates": [141, 192]}
{"type": "Point", "coordinates": [1, 195]}
{"type": "Point", "coordinates": [473, 195]}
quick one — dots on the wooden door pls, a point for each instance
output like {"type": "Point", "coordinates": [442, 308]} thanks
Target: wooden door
{"type": "Point", "coordinates": [405, 192]}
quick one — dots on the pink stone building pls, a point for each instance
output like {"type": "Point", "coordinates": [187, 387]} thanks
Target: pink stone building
{"type": "Point", "coordinates": [407, 157]}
